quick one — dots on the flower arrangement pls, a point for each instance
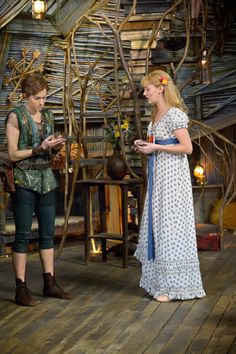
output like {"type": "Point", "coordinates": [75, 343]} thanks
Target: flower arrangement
{"type": "Point", "coordinates": [164, 81]}
{"type": "Point", "coordinates": [113, 133]}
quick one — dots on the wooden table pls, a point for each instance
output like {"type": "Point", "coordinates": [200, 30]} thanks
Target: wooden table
{"type": "Point", "coordinates": [125, 185]}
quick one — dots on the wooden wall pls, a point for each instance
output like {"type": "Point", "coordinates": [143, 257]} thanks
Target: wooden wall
{"type": "Point", "coordinates": [205, 102]}
{"type": "Point", "coordinates": [215, 99]}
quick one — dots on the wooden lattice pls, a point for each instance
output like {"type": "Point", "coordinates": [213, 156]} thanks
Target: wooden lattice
{"type": "Point", "coordinates": [20, 69]}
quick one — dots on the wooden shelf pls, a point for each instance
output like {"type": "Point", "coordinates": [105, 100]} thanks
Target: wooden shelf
{"type": "Point", "coordinates": [113, 236]}
{"type": "Point", "coordinates": [207, 186]}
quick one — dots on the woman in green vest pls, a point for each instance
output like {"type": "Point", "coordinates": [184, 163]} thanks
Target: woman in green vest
{"type": "Point", "coordinates": [31, 141]}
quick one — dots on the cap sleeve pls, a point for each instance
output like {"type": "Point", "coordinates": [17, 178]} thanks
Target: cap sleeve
{"type": "Point", "coordinates": [178, 119]}
{"type": "Point", "coordinates": [12, 119]}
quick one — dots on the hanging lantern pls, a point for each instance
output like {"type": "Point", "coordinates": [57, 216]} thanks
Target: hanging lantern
{"type": "Point", "coordinates": [39, 9]}
{"type": "Point", "coordinates": [205, 67]}
{"type": "Point", "coordinates": [199, 174]}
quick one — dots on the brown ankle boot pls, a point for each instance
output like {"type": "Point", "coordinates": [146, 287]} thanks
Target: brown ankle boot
{"type": "Point", "coordinates": [51, 288]}
{"type": "Point", "coordinates": [23, 296]}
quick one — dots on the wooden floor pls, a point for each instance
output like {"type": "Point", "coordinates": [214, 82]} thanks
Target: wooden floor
{"type": "Point", "coordinates": [109, 313]}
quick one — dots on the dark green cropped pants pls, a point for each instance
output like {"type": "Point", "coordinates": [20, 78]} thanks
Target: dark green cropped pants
{"type": "Point", "coordinates": [25, 203]}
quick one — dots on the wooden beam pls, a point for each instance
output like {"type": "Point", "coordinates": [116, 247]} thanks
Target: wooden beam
{"type": "Point", "coordinates": [10, 10]}
{"type": "Point", "coordinates": [70, 13]}
{"type": "Point", "coordinates": [28, 26]}
{"type": "Point", "coordinates": [212, 87]}
{"type": "Point", "coordinates": [148, 17]}
{"type": "Point", "coordinates": [217, 124]}
{"type": "Point", "coordinates": [219, 106]}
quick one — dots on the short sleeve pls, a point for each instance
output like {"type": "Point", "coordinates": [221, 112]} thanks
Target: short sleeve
{"type": "Point", "coordinates": [12, 120]}
{"type": "Point", "coordinates": [178, 119]}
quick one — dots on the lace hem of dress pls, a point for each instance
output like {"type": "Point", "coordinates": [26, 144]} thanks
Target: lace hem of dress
{"type": "Point", "coordinates": [173, 294]}
{"type": "Point", "coordinates": [181, 266]}
{"type": "Point", "coordinates": [171, 271]}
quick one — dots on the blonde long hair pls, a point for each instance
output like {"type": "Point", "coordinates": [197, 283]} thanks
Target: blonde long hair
{"type": "Point", "coordinates": [171, 93]}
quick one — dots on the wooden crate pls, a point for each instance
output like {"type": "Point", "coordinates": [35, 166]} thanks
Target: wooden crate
{"type": "Point", "coordinates": [208, 238]}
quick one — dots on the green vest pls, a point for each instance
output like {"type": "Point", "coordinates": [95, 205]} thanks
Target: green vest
{"type": "Point", "coordinates": [43, 180]}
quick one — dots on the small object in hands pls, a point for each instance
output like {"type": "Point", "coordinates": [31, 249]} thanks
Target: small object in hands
{"type": "Point", "coordinates": [142, 143]}
{"type": "Point", "coordinates": [139, 142]}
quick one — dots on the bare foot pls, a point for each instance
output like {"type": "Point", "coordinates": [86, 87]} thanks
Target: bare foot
{"type": "Point", "coordinates": [162, 298]}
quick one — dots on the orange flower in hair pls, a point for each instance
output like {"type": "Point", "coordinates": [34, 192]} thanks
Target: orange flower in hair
{"type": "Point", "coordinates": [164, 81]}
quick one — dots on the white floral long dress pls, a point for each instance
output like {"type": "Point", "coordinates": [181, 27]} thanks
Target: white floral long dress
{"type": "Point", "coordinates": [174, 271]}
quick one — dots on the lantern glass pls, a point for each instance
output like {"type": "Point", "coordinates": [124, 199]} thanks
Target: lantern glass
{"type": "Point", "coordinates": [39, 8]}
{"type": "Point", "coordinates": [199, 174]}
{"type": "Point", "coordinates": [205, 67]}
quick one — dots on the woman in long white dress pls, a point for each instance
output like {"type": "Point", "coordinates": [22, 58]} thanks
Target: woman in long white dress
{"type": "Point", "coordinates": [167, 246]}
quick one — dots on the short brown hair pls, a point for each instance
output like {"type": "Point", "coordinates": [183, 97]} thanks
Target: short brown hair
{"type": "Point", "coordinates": [33, 84]}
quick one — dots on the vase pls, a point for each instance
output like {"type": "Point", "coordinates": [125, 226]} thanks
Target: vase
{"type": "Point", "coordinates": [116, 166]}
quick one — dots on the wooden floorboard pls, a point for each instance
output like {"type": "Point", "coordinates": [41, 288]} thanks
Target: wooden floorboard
{"type": "Point", "coordinates": [207, 330]}
{"type": "Point", "coordinates": [168, 331]}
{"type": "Point", "coordinates": [110, 313]}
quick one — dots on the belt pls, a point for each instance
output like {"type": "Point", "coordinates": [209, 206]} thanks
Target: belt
{"type": "Point", "coordinates": [167, 141]}
{"type": "Point", "coordinates": [33, 165]}
{"type": "Point", "coordinates": [151, 246]}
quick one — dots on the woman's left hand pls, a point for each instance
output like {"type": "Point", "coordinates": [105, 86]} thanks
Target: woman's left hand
{"type": "Point", "coordinates": [52, 142]}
